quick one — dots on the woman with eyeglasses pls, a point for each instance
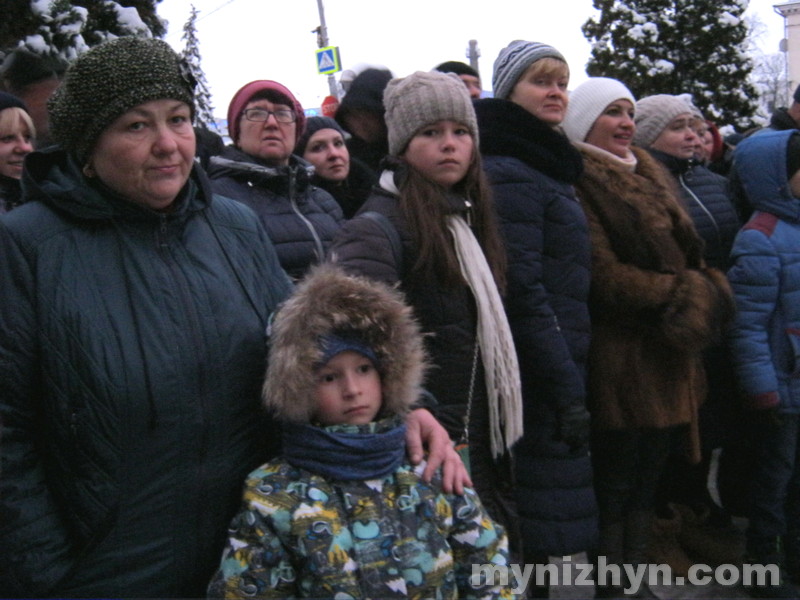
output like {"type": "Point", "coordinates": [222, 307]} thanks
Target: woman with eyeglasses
{"type": "Point", "coordinates": [258, 169]}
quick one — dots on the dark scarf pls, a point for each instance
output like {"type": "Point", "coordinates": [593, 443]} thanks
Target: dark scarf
{"type": "Point", "coordinates": [10, 193]}
{"type": "Point", "coordinates": [347, 452]}
{"type": "Point", "coordinates": [507, 129]}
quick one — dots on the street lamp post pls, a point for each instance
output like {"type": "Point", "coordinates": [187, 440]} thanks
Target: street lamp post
{"type": "Point", "coordinates": [322, 42]}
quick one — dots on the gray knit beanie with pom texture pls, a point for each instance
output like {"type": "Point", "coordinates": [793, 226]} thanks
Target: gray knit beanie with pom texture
{"type": "Point", "coordinates": [422, 99]}
{"type": "Point", "coordinates": [107, 81]}
{"type": "Point", "coordinates": [514, 60]}
{"type": "Point", "coordinates": [654, 113]}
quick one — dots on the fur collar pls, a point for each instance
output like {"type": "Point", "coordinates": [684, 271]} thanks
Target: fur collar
{"type": "Point", "coordinates": [327, 300]}
{"type": "Point", "coordinates": [628, 204]}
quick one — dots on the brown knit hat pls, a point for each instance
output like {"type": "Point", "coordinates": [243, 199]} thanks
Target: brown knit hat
{"type": "Point", "coordinates": [109, 80]}
{"type": "Point", "coordinates": [424, 98]}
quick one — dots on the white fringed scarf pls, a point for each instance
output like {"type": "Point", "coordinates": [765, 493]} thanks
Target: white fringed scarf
{"type": "Point", "coordinates": [494, 339]}
{"type": "Point", "coordinates": [494, 334]}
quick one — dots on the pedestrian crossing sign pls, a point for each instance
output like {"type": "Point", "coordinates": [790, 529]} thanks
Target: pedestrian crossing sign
{"type": "Point", "coordinates": [328, 61]}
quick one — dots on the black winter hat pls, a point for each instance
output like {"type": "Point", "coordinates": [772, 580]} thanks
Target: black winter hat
{"type": "Point", "coordinates": [457, 67]}
{"type": "Point", "coordinates": [313, 125]}
{"type": "Point", "coordinates": [365, 93]}
{"type": "Point", "coordinates": [22, 68]}
{"type": "Point", "coordinates": [109, 80]}
{"type": "Point", "coordinates": [11, 101]}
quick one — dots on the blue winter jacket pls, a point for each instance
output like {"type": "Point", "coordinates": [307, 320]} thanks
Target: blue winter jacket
{"type": "Point", "coordinates": [765, 277]}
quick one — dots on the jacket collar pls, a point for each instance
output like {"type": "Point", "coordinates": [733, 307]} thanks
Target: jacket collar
{"type": "Point", "coordinates": [677, 166]}
{"type": "Point", "coordinates": [241, 166]}
{"type": "Point", "coordinates": [53, 177]}
{"type": "Point", "coordinates": [507, 129]}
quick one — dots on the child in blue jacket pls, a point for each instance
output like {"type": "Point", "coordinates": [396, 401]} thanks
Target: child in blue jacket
{"type": "Point", "coordinates": [765, 278]}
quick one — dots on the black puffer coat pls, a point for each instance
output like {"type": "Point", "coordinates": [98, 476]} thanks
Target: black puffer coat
{"type": "Point", "coordinates": [706, 197]}
{"type": "Point", "coordinates": [531, 168]}
{"type": "Point", "coordinates": [300, 219]}
{"type": "Point", "coordinates": [130, 371]}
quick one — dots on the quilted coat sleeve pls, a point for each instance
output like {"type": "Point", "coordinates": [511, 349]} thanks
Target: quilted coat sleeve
{"type": "Point", "coordinates": [361, 247]}
{"type": "Point", "coordinates": [756, 281]}
{"type": "Point", "coordinates": [35, 548]}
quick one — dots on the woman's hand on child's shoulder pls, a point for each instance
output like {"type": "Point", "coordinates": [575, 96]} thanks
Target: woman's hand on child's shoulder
{"type": "Point", "coordinates": [424, 429]}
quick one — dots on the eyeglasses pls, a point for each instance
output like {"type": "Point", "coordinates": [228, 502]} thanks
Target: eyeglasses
{"type": "Point", "coordinates": [259, 115]}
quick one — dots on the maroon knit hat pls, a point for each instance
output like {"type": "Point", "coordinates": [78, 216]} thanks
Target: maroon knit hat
{"type": "Point", "coordinates": [246, 93]}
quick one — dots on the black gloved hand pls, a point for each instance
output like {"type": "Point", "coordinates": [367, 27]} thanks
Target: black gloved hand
{"type": "Point", "coordinates": [574, 426]}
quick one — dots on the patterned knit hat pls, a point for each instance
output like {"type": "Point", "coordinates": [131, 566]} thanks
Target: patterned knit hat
{"type": "Point", "coordinates": [654, 113]}
{"type": "Point", "coordinates": [424, 98]}
{"type": "Point", "coordinates": [514, 60]}
{"type": "Point", "coordinates": [109, 80]}
{"type": "Point", "coordinates": [588, 101]}
{"type": "Point", "coordinates": [245, 94]}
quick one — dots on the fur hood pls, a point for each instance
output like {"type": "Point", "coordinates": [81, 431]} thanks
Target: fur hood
{"type": "Point", "coordinates": [329, 301]}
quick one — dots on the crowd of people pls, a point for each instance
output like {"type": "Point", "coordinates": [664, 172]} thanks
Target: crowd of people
{"type": "Point", "coordinates": [353, 356]}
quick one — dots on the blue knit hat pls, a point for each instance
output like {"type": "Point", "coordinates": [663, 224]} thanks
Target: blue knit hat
{"type": "Point", "coordinates": [333, 345]}
{"type": "Point", "coordinates": [514, 60]}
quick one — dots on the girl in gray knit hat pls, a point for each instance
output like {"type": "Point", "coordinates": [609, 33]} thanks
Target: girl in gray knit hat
{"type": "Point", "coordinates": [429, 227]}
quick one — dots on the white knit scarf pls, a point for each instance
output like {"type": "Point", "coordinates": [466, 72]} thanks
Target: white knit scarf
{"type": "Point", "coordinates": [494, 338]}
{"type": "Point", "coordinates": [494, 334]}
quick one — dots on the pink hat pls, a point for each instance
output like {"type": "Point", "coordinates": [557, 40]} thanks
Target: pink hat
{"type": "Point", "coordinates": [246, 93]}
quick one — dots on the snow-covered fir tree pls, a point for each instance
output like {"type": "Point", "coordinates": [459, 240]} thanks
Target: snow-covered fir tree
{"type": "Point", "coordinates": [697, 47]}
{"type": "Point", "coordinates": [191, 54]}
{"type": "Point", "coordinates": [65, 28]}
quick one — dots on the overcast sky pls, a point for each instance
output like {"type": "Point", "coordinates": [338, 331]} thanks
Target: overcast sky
{"type": "Point", "coordinates": [243, 40]}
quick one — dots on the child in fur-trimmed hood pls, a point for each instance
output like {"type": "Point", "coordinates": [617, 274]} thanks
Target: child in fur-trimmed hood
{"type": "Point", "coordinates": [342, 513]}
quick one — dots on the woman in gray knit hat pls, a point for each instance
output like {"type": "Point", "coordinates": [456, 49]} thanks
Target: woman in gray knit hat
{"type": "Point", "coordinates": [429, 227]}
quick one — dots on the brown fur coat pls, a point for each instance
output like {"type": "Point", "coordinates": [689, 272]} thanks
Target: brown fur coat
{"type": "Point", "coordinates": [654, 304]}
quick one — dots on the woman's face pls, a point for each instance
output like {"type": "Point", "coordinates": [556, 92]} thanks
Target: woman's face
{"type": "Point", "coordinates": [147, 153]}
{"type": "Point", "coordinates": [442, 152]}
{"type": "Point", "coordinates": [543, 92]}
{"type": "Point", "coordinates": [271, 141]}
{"type": "Point", "coordinates": [328, 153]}
{"type": "Point", "coordinates": [678, 138]}
{"type": "Point", "coordinates": [15, 144]}
{"type": "Point", "coordinates": [613, 129]}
